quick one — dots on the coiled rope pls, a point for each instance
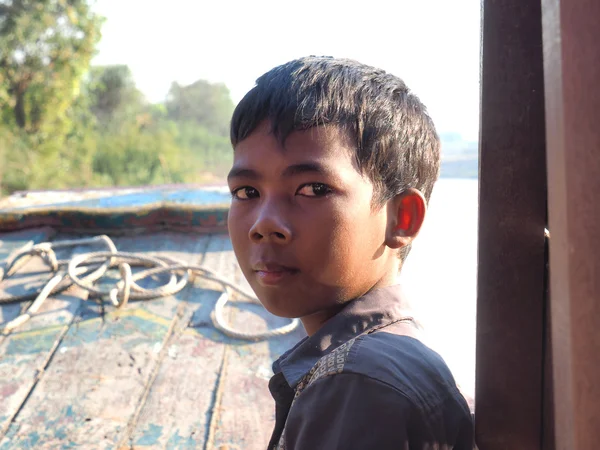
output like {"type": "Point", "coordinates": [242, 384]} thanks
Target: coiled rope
{"type": "Point", "coordinates": [66, 273]}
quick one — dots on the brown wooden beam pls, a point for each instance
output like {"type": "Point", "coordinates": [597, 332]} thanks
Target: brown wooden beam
{"type": "Point", "coordinates": [572, 76]}
{"type": "Point", "coordinates": [512, 217]}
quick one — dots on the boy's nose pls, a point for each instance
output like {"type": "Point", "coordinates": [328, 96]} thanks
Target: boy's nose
{"type": "Point", "coordinates": [270, 226]}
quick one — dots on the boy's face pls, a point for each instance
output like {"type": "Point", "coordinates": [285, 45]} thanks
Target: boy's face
{"type": "Point", "coordinates": [302, 225]}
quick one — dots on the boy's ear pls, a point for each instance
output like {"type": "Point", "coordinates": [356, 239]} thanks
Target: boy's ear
{"type": "Point", "coordinates": [406, 216]}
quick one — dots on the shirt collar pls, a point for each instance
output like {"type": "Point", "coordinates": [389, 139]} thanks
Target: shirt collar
{"type": "Point", "coordinates": [377, 308]}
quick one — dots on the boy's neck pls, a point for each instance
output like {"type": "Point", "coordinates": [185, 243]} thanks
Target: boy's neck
{"type": "Point", "coordinates": [313, 322]}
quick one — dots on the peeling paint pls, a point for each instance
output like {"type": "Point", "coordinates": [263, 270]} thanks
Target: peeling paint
{"type": "Point", "coordinates": [34, 341]}
{"type": "Point", "coordinates": [151, 435]}
{"type": "Point", "coordinates": [177, 442]}
{"type": "Point", "coordinates": [118, 324]}
{"type": "Point", "coordinates": [29, 443]}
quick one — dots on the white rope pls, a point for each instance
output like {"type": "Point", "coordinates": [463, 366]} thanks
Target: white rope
{"type": "Point", "coordinates": [221, 324]}
{"type": "Point", "coordinates": [127, 287]}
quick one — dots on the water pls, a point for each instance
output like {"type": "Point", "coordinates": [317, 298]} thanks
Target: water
{"type": "Point", "coordinates": [440, 276]}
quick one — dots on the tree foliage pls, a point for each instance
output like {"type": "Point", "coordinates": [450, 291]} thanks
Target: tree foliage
{"type": "Point", "coordinates": [203, 103]}
{"type": "Point", "coordinates": [45, 47]}
{"type": "Point", "coordinates": [112, 92]}
{"type": "Point", "coordinates": [66, 124]}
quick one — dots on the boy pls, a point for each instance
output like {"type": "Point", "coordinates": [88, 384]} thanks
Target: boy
{"type": "Point", "coordinates": [334, 163]}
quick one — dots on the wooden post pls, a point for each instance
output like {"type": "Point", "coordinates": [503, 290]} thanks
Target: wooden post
{"type": "Point", "coordinates": [512, 217]}
{"type": "Point", "coordinates": [572, 77]}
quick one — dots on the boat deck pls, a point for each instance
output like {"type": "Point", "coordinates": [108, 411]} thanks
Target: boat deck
{"type": "Point", "coordinates": [155, 374]}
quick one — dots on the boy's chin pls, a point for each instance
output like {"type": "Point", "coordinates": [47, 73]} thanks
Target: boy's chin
{"type": "Point", "coordinates": [280, 308]}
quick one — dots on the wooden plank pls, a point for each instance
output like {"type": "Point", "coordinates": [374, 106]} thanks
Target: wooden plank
{"type": "Point", "coordinates": [572, 72]}
{"type": "Point", "coordinates": [26, 350]}
{"type": "Point", "coordinates": [99, 375]}
{"type": "Point", "coordinates": [510, 291]}
{"type": "Point", "coordinates": [244, 411]}
{"type": "Point", "coordinates": [176, 414]}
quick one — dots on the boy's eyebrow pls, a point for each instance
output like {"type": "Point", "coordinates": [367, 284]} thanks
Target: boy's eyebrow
{"type": "Point", "coordinates": [306, 167]}
{"type": "Point", "coordinates": [242, 172]}
{"type": "Point", "coordinates": [294, 169]}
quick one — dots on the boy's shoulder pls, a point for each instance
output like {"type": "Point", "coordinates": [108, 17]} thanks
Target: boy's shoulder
{"type": "Point", "coordinates": [394, 358]}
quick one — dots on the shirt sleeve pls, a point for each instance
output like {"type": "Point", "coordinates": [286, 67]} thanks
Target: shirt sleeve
{"type": "Point", "coordinates": [351, 411]}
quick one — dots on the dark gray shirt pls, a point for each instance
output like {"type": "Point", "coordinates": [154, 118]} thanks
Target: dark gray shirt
{"type": "Point", "coordinates": [364, 381]}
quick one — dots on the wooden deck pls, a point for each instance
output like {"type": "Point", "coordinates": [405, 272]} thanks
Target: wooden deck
{"type": "Point", "coordinates": [155, 374]}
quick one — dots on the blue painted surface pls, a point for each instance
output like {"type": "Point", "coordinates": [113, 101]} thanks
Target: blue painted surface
{"type": "Point", "coordinates": [90, 329]}
{"type": "Point", "coordinates": [151, 435]}
{"type": "Point", "coordinates": [188, 197]}
{"type": "Point", "coordinates": [177, 442]}
{"type": "Point", "coordinates": [32, 342]}
{"type": "Point", "coordinates": [178, 209]}
{"type": "Point", "coordinates": [30, 442]}
{"type": "Point", "coordinates": [150, 327]}
{"type": "Point", "coordinates": [48, 428]}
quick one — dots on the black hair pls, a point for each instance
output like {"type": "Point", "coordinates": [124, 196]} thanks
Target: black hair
{"type": "Point", "coordinates": [397, 145]}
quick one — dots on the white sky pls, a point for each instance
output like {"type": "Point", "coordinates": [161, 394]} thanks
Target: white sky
{"type": "Point", "coordinates": [432, 44]}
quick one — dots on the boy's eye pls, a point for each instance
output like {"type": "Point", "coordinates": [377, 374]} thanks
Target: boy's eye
{"type": "Point", "coordinates": [245, 193]}
{"type": "Point", "coordinates": [314, 190]}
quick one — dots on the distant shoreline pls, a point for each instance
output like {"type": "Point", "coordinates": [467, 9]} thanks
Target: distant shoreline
{"type": "Point", "coordinates": [460, 168]}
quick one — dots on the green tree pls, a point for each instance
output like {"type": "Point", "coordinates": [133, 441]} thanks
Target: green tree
{"type": "Point", "coordinates": [112, 94]}
{"type": "Point", "coordinates": [203, 103]}
{"type": "Point", "coordinates": [207, 152]}
{"type": "Point", "coordinates": [66, 125]}
{"type": "Point", "coordinates": [134, 156]}
{"type": "Point", "coordinates": [45, 47]}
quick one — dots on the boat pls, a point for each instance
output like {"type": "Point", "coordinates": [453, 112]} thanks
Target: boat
{"type": "Point", "coordinates": [161, 374]}
{"type": "Point", "coordinates": [82, 372]}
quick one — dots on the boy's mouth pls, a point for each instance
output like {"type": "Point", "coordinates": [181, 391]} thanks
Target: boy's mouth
{"type": "Point", "coordinates": [270, 273]}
